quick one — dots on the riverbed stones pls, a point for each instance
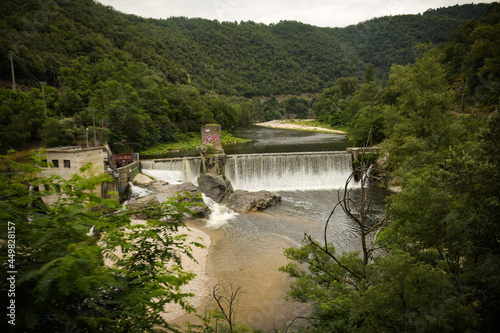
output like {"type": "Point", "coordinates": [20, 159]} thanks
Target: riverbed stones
{"type": "Point", "coordinates": [244, 201]}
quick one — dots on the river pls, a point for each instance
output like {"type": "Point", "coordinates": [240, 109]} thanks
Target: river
{"type": "Point", "coordinates": [247, 249]}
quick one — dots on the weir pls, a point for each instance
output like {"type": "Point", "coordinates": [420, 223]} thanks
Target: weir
{"type": "Point", "coordinates": [273, 172]}
{"type": "Point", "coordinates": [173, 170]}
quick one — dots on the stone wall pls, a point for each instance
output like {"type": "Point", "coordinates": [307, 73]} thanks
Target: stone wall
{"type": "Point", "coordinates": [122, 176]}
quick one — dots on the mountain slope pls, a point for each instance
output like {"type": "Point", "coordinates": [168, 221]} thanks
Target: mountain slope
{"type": "Point", "coordinates": [245, 59]}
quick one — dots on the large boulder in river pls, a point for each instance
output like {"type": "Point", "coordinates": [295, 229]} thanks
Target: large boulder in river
{"type": "Point", "coordinates": [244, 201]}
{"type": "Point", "coordinates": [140, 207]}
{"type": "Point", "coordinates": [216, 187]}
{"type": "Point", "coordinates": [142, 180]}
{"type": "Point", "coordinates": [185, 192]}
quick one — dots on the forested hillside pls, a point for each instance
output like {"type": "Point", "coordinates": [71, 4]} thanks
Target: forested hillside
{"type": "Point", "coordinates": [128, 70]}
{"type": "Point", "coordinates": [230, 58]}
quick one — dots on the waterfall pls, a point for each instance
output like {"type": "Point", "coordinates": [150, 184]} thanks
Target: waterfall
{"type": "Point", "coordinates": [289, 171]}
{"type": "Point", "coordinates": [173, 170]}
{"type": "Point", "coordinates": [274, 172]}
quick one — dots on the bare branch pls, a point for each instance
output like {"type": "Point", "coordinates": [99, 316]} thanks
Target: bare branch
{"type": "Point", "coordinates": [228, 313]}
{"type": "Point", "coordinates": [331, 255]}
{"type": "Point", "coordinates": [328, 221]}
{"type": "Point", "coordinates": [294, 319]}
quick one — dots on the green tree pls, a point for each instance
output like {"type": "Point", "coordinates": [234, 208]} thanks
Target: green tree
{"type": "Point", "coordinates": [418, 124]}
{"type": "Point", "coordinates": [68, 278]}
{"type": "Point", "coordinates": [447, 217]}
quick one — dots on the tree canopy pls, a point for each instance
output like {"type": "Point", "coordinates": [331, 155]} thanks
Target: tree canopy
{"type": "Point", "coordinates": [438, 265]}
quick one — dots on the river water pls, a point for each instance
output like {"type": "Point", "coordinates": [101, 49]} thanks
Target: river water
{"type": "Point", "coordinates": [270, 140]}
{"type": "Point", "coordinates": [247, 249]}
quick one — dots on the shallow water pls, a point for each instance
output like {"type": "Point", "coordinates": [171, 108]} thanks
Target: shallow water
{"type": "Point", "coordinates": [247, 251]}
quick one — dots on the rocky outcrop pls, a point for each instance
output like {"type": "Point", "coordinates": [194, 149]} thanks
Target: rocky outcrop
{"type": "Point", "coordinates": [140, 207]}
{"type": "Point", "coordinates": [214, 184]}
{"type": "Point", "coordinates": [142, 180]}
{"type": "Point", "coordinates": [216, 187]}
{"type": "Point", "coordinates": [244, 201]}
{"type": "Point", "coordinates": [185, 192]}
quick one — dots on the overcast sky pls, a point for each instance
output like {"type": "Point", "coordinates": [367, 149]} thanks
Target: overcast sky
{"type": "Point", "coordinates": [322, 13]}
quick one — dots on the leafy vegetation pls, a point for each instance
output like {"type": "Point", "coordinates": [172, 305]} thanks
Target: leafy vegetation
{"type": "Point", "coordinates": [69, 279]}
{"type": "Point", "coordinates": [128, 74]}
{"type": "Point", "coordinates": [433, 109]}
{"type": "Point", "coordinates": [438, 260]}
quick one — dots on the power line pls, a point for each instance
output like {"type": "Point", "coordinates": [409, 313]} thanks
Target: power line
{"type": "Point", "coordinates": [29, 74]}
{"type": "Point", "coordinates": [25, 69]}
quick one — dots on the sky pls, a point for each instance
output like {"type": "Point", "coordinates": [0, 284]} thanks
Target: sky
{"type": "Point", "coordinates": [321, 13]}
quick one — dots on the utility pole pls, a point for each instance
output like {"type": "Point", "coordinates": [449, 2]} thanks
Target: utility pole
{"type": "Point", "coordinates": [11, 56]}
{"type": "Point", "coordinates": [93, 119]}
{"type": "Point", "coordinates": [43, 83]}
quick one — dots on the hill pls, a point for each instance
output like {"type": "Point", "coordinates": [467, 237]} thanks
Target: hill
{"type": "Point", "coordinates": [233, 59]}
{"type": "Point", "coordinates": [124, 72]}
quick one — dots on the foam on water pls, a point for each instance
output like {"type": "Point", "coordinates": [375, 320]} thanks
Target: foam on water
{"type": "Point", "coordinates": [219, 213]}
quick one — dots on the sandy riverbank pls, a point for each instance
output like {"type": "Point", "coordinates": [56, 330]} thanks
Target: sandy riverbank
{"type": "Point", "coordinates": [200, 285]}
{"type": "Point", "coordinates": [290, 125]}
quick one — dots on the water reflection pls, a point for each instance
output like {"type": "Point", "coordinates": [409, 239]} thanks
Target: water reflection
{"type": "Point", "coordinates": [271, 140]}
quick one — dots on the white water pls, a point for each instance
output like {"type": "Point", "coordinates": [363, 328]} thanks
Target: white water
{"type": "Point", "coordinates": [91, 231]}
{"type": "Point", "coordinates": [137, 192]}
{"type": "Point", "coordinates": [290, 171]}
{"type": "Point", "coordinates": [173, 170]}
{"type": "Point", "coordinates": [273, 172]}
{"type": "Point", "coordinates": [170, 176]}
{"type": "Point", "coordinates": [219, 213]}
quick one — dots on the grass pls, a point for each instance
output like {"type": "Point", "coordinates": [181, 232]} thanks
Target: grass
{"type": "Point", "coordinates": [188, 141]}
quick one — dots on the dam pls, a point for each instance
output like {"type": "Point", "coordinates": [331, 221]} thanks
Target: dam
{"type": "Point", "coordinates": [268, 171]}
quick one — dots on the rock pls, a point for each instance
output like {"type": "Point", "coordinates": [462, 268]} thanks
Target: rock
{"type": "Point", "coordinates": [213, 159]}
{"type": "Point", "coordinates": [142, 180]}
{"type": "Point", "coordinates": [185, 192]}
{"type": "Point", "coordinates": [139, 207]}
{"type": "Point", "coordinates": [244, 201]}
{"type": "Point", "coordinates": [215, 186]}
{"type": "Point", "coordinates": [157, 186]}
